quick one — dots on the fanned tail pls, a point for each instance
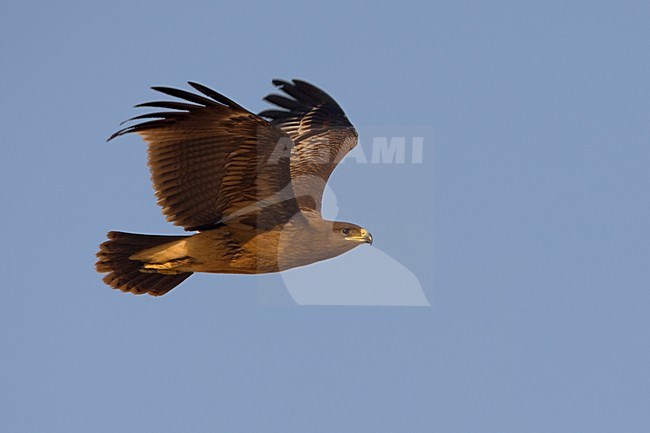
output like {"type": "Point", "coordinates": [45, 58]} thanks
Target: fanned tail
{"type": "Point", "coordinates": [125, 274]}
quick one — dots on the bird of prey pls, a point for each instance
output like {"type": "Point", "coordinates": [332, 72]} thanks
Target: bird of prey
{"type": "Point", "coordinates": [250, 186]}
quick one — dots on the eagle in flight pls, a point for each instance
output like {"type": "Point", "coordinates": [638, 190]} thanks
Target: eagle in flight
{"type": "Point", "coordinates": [250, 186]}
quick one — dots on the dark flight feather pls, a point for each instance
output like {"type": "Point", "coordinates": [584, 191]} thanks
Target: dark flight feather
{"type": "Point", "coordinates": [318, 126]}
{"type": "Point", "coordinates": [213, 160]}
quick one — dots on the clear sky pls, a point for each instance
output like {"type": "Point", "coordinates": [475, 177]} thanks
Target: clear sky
{"type": "Point", "coordinates": [525, 224]}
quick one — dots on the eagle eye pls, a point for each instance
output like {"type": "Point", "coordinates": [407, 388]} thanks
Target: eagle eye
{"type": "Point", "coordinates": [345, 231]}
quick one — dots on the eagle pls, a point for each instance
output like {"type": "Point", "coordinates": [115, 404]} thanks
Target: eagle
{"type": "Point", "coordinates": [250, 186]}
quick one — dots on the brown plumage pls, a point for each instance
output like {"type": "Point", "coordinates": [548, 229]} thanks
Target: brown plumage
{"type": "Point", "coordinates": [252, 188]}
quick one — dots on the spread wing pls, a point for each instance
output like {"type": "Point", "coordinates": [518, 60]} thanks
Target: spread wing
{"type": "Point", "coordinates": [211, 161]}
{"type": "Point", "coordinates": [321, 133]}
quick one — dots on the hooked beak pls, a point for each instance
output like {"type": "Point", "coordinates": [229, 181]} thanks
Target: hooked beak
{"type": "Point", "coordinates": [364, 237]}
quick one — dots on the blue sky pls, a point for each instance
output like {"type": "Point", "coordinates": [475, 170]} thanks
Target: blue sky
{"type": "Point", "coordinates": [526, 224]}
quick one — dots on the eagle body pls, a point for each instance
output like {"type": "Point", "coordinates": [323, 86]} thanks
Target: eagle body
{"type": "Point", "coordinates": [231, 250]}
{"type": "Point", "coordinates": [249, 185]}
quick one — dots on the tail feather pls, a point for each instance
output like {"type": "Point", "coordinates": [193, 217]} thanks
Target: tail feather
{"type": "Point", "coordinates": [125, 274]}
